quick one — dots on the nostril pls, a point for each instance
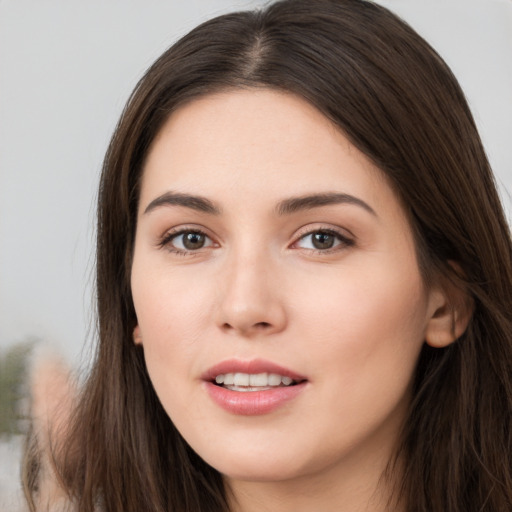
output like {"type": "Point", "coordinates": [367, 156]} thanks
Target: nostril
{"type": "Point", "coordinates": [257, 326]}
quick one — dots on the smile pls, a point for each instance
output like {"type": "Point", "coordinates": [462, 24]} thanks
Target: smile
{"type": "Point", "coordinates": [253, 387]}
{"type": "Point", "coordinates": [253, 381]}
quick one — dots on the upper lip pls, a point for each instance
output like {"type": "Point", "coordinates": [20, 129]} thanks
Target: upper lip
{"type": "Point", "coordinates": [253, 366]}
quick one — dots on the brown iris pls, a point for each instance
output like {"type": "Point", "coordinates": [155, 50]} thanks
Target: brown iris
{"type": "Point", "coordinates": [323, 240]}
{"type": "Point", "coordinates": [193, 240]}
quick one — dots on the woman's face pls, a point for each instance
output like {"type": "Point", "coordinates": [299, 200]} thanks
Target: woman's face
{"type": "Point", "coordinates": [277, 291]}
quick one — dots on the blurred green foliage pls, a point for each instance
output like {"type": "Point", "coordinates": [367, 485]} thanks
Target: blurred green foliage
{"type": "Point", "coordinates": [13, 369]}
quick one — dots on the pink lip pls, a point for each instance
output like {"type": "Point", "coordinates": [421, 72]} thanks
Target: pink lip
{"type": "Point", "coordinates": [253, 366]}
{"type": "Point", "coordinates": [250, 403]}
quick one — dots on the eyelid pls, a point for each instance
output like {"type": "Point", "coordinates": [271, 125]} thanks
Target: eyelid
{"type": "Point", "coordinates": [164, 241]}
{"type": "Point", "coordinates": [346, 238]}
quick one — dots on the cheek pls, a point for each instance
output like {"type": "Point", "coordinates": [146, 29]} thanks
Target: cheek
{"type": "Point", "coordinates": [171, 317]}
{"type": "Point", "coordinates": [363, 338]}
{"type": "Point", "coordinates": [171, 313]}
{"type": "Point", "coordinates": [369, 325]}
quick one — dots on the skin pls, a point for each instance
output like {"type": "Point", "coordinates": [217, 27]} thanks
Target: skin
{"type": "Point", "coordinates": [351, 319]}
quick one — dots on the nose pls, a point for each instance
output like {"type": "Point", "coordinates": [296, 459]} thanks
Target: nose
{"type": "Point", "coordinates": [250, 299]}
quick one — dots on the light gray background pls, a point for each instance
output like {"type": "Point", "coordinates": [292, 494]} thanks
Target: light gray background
{"type": "Point", "coordinates": [66, 69]}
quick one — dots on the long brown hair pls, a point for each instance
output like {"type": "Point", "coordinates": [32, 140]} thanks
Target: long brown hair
{"type": "Point", "coordinates": [399, 103]}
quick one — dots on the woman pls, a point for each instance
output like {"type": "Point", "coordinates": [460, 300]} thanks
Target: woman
{"type": "Point", "coordinates": [303, 278]}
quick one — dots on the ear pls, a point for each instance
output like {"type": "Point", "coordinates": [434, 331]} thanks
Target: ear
{"type": "Point", "coordinates": [137, 336]}
{"type": "Point", "coordinates": [451, 310]}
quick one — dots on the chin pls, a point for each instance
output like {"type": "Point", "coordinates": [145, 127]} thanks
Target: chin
{"type": "Point", "coordinates": [260, 472]}
{"type": "Point", "coordinates": [258, 463]}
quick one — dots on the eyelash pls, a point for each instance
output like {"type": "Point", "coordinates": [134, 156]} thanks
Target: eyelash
{"type": "Point", "coordinates": [342, 241]}
{"type": "Point", "coordinates": [166, 241]}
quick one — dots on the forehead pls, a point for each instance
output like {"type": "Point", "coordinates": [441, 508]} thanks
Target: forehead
{"type": "Point", "coordinates": [256, 142]}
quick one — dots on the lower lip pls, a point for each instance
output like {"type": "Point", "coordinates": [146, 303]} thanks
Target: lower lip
{"type": "Point", "coordinates": [252, 403]}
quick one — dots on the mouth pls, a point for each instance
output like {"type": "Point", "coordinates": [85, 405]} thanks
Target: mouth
{"type": "Point", "coordinates": [255, 387]}
{"type": "Point", "coordinates": [250, 382]}
{"type": "Point", "coordinates": [253, 375]}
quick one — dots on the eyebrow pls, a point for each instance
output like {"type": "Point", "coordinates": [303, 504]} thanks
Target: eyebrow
{"type": "Point", "coordinates": [295, 204]}
{"type": "Point", "coordinates": [198, 203]}
{"type": "Point", "coordinates": [285, 207]}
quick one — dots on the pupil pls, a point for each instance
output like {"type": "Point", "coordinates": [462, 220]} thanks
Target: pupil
{"type": "Point", "coordinates": [323, 240]}
{"type": "Point", "coordinates": [193, 240]}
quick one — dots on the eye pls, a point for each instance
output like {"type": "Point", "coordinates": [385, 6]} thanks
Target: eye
{"type": "Point", "coordinates": [323, 240]}
{"type": "Point", "coordinates": [187, 241]}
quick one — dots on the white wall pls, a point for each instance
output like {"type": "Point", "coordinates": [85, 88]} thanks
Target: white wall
{"type": "Point", "coordinates": [66, 69]}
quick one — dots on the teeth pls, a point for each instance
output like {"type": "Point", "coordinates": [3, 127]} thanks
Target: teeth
{"type": "Point", "coordinates": [260, 379]}
{"type": "Point", "coordinates": [254, 380]}
{"type": "Point", "coordinates": [274, 379]}
{"type": "Point", "coordinates": [241, 379]}
{"type": "Point", "coordinates": [286, 381]}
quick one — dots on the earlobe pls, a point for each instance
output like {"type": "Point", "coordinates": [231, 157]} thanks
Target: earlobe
{"type": "Point", "coordinates": [137, 336]}
{"type": "Point", "coordinates": [452, 310]}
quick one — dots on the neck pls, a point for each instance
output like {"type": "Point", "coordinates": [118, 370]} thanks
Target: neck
{"type": "Point", "coordinates": [366, 488]}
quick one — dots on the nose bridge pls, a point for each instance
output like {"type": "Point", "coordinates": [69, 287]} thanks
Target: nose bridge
{"type": "Point", "coordinates": [250, 300]}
